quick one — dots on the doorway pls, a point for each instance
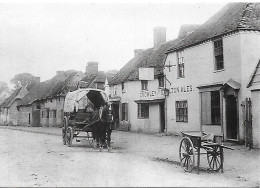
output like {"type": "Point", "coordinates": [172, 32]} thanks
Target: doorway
{"type": "Point", "coordinates": [162, 117]}
{"type": "Point", "coordinates": [115, 112]}
{"type": "Point", "coordinates": [231, 117]}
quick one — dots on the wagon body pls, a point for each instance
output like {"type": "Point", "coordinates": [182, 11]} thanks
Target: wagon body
{"type": "Point", "coordinates": [190, 150]}
{"type": "Point", "coordinates": [79, 108]}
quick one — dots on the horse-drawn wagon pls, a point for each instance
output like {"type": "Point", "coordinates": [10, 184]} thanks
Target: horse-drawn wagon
{"type": "Point", "coordinates": [87, 111]}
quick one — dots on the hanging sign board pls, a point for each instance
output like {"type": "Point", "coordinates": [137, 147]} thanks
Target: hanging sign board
{"type": "Point", "coordinates": [146, 73]}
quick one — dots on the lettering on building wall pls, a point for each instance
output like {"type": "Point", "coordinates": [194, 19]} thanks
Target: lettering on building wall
{"type": "Point", "coordinates": [151, 94]}
{"type": "Point", "coordinates": [181, 89]}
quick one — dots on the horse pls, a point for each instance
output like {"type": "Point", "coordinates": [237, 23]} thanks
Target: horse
{"type": "Point", "coordinates": [101, 128]}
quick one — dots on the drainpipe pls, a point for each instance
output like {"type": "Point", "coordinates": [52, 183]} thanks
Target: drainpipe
{"type": "Point", "coordinates": [165, 105]}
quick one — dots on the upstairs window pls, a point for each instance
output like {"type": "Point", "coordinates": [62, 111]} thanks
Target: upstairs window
{"type": "Point", "coordinates": [218, 52]}
{"type": "Point", "coordinates": [143, 111]}
{"type": "Point", "coordinates": [180, 67]}
{"type": "Point", "coordinates": [123, 86]}
{"type": "Point", "coordinates": [161, 81]}
{"type": "Point", "coordinates": [144, 84]}
{"type": "Point", "coordinates": [114, 90]}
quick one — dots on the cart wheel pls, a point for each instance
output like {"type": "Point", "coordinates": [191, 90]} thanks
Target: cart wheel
{"type": "Point", "coordinates": [186, 154]}
{"type": "Point", "coordinates": [69, 136]}
{"type": "Point", "coordinates": [90, 141]}
{"type": "Point", "coordinates": [64, 137]}
{"type": "Point", "coordinates": [214, 158]}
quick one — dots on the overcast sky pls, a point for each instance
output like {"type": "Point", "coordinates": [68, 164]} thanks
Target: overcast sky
{"type": "Point", "coordinates": [42, 38]}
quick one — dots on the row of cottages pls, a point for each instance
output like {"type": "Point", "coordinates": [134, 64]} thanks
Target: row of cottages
{"type": "Point", "coordinates": [43, 104]}
{"type": "Point", "coordinates": [8, 108]}
{"type": "Point", "coordinates": [209, 75]}
{"type": "Point", "coordinates": [206, 80]}
{"type": "Point", "coordinates": [137, 90]}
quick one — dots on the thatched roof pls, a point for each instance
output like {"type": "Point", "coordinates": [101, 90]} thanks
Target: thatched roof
{"type": "Point", "coordinates": [59, 85]}
{"type": "Point", "coordinates": [232, 17]}
{"type": "Point", "coordinates": [10, 99]}
{"type": "Point", "coordinates": [152, 57]}
{"type": "Point", "coordinates": [186, 29]}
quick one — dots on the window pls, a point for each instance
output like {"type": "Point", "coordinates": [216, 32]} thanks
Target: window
{"type": "Point", "coordinates": [58, 98]}
{"type": "Point", "coordinates": [181, 111]}
{"type": "Point", "coordinates": [144, 84]}
{"type": "Point", "coordinates": [123, 86]}
{"type": "Point", "coordinates": [180, 67]}
{"type": "Point", "coordinates": [54, 113]}
{"type": "Point", "coordinates": [161, 81]}
{"type": "Point", "coordinates": [114, 90]}
{"type": "Point", "coordinates": [210, 108]}
{"type": "Point", "coordinates": [218, 51]}
{"type": "Point", "coordinates": [143, 111]}
{"type": "Point", "coordinates": [42, 114]}
{"type": "Point", "coordinates": [124, 112]}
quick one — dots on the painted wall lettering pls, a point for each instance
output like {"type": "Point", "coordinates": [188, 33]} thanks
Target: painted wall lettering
{"type": "Point", "coordinates": [151, 94]}
{"type": "Point", "coordinates": [181, 89]}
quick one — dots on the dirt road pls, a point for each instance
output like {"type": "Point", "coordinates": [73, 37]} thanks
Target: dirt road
{"type": "Point", "coordinates": [34, 159]}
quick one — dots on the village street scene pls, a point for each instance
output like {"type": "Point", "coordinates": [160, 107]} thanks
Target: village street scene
{"type": "Point", "coordinates": [99, 95]}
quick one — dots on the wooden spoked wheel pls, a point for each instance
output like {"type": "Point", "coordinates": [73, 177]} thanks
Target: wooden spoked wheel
{"type": "Point", "coordinates": [69, 136]}
{"type": "Point", "coordinates": [186, 154]}
{"type": "Point", "coordinates": [214, 158]}
{"type": "Point", "coordinates": [64, 127]}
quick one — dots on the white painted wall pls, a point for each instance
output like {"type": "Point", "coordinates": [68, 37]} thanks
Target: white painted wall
{"type": "Point", "coordinates": [133, 92]}
{"type": "Point", "coordinates": [241, 53]}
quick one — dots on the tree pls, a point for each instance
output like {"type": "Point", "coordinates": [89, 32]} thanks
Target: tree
{"type": "Point", "coordinates": [25, 79]}
{"type": "Point", "coordinates": [4, 91]}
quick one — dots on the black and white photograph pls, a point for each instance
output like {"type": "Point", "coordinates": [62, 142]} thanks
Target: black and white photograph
{"type": "Point", "coordinates": [129, 93]}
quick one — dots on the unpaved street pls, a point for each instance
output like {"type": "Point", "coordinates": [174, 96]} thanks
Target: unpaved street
{"type": "Point", "coordinates": [35, 159]}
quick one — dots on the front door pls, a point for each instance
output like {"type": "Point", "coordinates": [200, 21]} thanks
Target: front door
{"type": "Point", "coordinates": [231, 117]}
{"type": "Point", "coordinates": [162, 117]}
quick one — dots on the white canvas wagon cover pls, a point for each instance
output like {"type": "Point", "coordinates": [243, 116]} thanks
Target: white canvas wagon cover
{"type": "Point", "coordinates": [80, 98]}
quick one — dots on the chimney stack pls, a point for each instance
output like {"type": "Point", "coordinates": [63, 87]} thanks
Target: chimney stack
{"type": "Point", "coordinates": [159, 34]}
{"type": "Point", "coordinates": [136, 51]}
{"type": "Point", "coordinates": [59, 72]}
{"type": "Point", "coordinates": [92, 68]}
{"type": "Point", "coordinates": [37, 79]}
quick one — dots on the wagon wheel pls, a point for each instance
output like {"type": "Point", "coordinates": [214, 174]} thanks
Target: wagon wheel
{"type": "Point", "coordinates": [186, 154]}
{"type": "Point", "coordinates": [64, 137]}
{"type": "Point", "coordinates": [90, 139]}
{"type": "Point", "coordinates": [214, 158]}
{"type": "Point", "coordinates": [69, 136]}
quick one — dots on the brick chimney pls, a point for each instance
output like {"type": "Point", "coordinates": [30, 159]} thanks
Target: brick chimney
{"type": "Point", "coordinates": [159, 35]}
{"type": "Point", "coordinates": [136, 51]}
{"type": "Point", "coordinates": [92, 68]}
{"type": "Point", "coordinates": [59, 72]}
{"type": "Point", "coordinates": [37, 79]}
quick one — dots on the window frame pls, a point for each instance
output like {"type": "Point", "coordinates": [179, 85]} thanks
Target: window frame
{"type": "Point", "coordinates": [218, 54]}
{"type": "Point", "coordinates": [124, 111]}
{"type": "Point", "coordinates": [211, 115]}
{"type": "Point", "coordinates": [143, 111]}
{"type": "Point", "coordinates": [181, 110]}
{"type": "Point", "coordinates": [144, 85]}
{"type": "Point", "coordinates": [160, 81]}
{"type": "Point", "coordinates": [180, 64]}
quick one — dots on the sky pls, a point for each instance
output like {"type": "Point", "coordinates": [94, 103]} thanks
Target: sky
{"type": "Point", "coordinates": [47, 36]}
